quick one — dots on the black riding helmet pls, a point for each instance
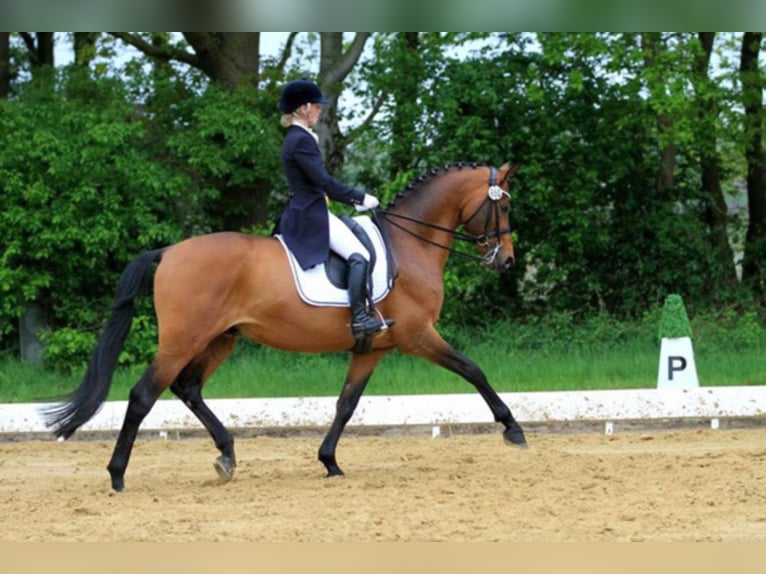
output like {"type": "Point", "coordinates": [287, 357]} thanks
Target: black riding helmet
{"type": "Point", "coordinates": [299, 92]}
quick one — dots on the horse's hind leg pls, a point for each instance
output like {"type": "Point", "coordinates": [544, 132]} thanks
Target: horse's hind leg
{"type": "Point", "coordinates": [188, 388]}
{"type": "Point", "coordinates": [141, 400]}
{"type": "Point", "coordinates": [359, 372]}
{"type": "Point", "coordinates": [435, 349]}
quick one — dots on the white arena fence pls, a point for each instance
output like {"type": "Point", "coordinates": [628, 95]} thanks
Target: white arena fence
{"type": "Point", "coordinates": [542, 407]}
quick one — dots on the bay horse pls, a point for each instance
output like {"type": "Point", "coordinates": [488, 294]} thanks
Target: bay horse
{"type": "Point", "coordinates": [210, 289]}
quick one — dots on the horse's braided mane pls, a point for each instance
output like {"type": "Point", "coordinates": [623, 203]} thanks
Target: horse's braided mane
{"type": "Point", "coordinates": [429, 175]}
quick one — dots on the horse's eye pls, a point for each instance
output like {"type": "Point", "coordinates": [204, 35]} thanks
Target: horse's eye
{"type": "Point", "coordinates": [506, 208]}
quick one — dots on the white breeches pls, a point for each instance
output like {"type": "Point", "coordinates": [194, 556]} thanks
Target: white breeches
{"type": "Point", "coordinates": [343, 241]}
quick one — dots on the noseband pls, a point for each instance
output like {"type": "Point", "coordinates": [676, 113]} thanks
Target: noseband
{"type": "Point", "coordinates": [494, 194]}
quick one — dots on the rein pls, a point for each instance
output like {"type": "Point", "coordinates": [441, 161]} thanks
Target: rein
{"type": "Point", "coordinates": [495, 193]}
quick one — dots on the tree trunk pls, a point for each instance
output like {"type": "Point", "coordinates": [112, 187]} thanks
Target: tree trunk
{"type": "Point", "coordinates": [45, 46]}
{"type": "Point", "coordinates": [228, 58]}
{"type": "Point", "coordinates": [405, 103]}
{"type": "Point", "coordinates": [32, 322]}
{"type": "Point", "coordinates": [754, 264]}
{"type": "Point", "coordinates": [335, 63]}
{"type": "Point", "coordinates": [5, 64]}
{"type": "Point", "coordinates": [650, 44]}
{"type": "Point", "coordinates": [40, 48]}
{"type": "Point", "coordinates": [716, 211]}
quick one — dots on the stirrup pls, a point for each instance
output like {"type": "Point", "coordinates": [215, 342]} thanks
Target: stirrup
{"type": "Point", "coordinates": [381, 324]}
{"type": "Point", "coordinates": [361, 330]}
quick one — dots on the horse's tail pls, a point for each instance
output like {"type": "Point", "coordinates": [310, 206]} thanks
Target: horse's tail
{"type": "Point", "coordinates": [76, 408]}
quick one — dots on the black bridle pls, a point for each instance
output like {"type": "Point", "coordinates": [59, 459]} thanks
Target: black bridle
{"type": "Point", "coordinates": [494, 195]}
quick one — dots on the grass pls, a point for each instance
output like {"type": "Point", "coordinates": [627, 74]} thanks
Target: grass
{"type": "Point", "coordinates": [563, 358]}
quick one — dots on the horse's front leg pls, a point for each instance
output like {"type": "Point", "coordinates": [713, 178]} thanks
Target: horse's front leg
{"type": "Point", "coordinates": [435, 349]}
{"type": "Point", "coordinates": [359, 372]}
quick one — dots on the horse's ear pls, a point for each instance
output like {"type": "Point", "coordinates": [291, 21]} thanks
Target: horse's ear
{"type": "Point", "coordinates": [511, 172]}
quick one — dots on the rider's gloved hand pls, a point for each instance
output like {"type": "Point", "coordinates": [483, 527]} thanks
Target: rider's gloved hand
{"type": "Point", "coordinates": [369, 202]}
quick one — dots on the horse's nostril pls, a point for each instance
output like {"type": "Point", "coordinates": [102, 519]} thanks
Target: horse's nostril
{"type": "Point", "coordinates": [509, 262]}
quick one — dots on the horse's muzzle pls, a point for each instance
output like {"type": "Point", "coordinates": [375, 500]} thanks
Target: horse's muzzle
{"type": "Point", "coordinates": [501, 262]}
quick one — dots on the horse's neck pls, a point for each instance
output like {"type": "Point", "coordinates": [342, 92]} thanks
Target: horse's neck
{"type": "Point", "coordinates": [438, 206]}
{"type": "Point", "coordinates": [439, 214]}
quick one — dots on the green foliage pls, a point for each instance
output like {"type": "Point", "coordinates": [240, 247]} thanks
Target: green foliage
{"type": "Point", "coordinates": [96, 168]}
{"type": "Point", "coordinates": [674, 323]}
{"type": "Point", "coordinates": [90, 180]}
{"type": "Point", "coordinates": [595, 234]}
{"type": "Point", "coordinates": [68, 350]}
{"type": "Point", "coordinates": [82, 195]}
{"type": "Point", "coordinates": [231, 152]}
{"type": "Point", "coordinates": [728, 330]}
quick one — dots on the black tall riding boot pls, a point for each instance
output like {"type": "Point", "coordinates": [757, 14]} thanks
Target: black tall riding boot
{"type": "Point", "coordinates": [362, 323]}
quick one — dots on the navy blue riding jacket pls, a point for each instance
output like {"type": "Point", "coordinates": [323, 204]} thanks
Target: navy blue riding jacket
{"type": "Point", "coordinates": [304, 224]}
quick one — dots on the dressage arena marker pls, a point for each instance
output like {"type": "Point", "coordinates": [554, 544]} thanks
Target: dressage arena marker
{"type": "Point", "coordinates": [714, 425]}
{"type": "Point", "coordinates": [609, 428]}
{"type": "Point", "coordinates": [705, 403]}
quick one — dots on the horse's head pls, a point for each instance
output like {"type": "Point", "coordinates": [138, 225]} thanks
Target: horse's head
{"type": "Point", "coordinates": [476, 199]}
{"type": "Point", "coordinates": [485, 215]}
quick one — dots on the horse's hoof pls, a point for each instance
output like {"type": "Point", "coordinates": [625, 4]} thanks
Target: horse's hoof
{"type": "Point", "coordinates": [332, 468]}
{"type": "Point", "coordinates": [118, 479]}
{"type": "Point", "coordinates": [515, 438]}
{"type": "Point", "coordinates": [224, 466]}
{"type": "Point", "coordinates": [328, 460]}
{"type": "Point", "coordinates": [118, 484]}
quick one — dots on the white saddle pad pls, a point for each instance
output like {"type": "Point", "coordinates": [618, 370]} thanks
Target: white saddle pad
{"type": "Point", "coordinates": [315, 288]}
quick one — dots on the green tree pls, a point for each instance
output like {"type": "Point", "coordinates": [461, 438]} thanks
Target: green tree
{"type": "Point", "coordinates": [81, 196]}
{"type": "Point", "coordinates": [593, 119]}
{"type": "Point", "coordinates": [754, 266]}
{"type": "Point", "coordinates": [5, 64]}
{"type": "Point", "coordinates": [714, 211]}
{"type": "Point", "coordinates": [230, 59]}
{"type": "Point", "coordinates": [90, 179]}
{"type": "Point", "coordinates": [629, 145]}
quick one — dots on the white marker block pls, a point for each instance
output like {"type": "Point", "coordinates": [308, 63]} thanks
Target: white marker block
{"type": "Point", "coordinates": [714, 424]}
{"type": "Point", "coordinates": [436, 432]}
{"type": "Point", "coordinates": [677, 367]}
{"type": "Point", "coordinates": [609, 428]}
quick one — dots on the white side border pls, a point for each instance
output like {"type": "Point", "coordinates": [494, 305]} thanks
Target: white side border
{"type": "Point", "coordinates": [608, 405]}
